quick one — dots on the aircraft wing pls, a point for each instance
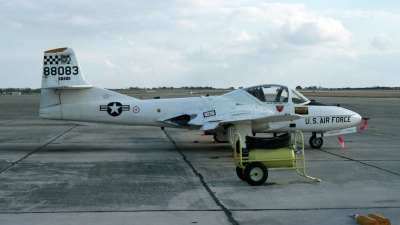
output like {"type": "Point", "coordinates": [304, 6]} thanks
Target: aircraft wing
{"type": "Point", "coordinates": [211, 118]}
{"type": "Point", "coordinates": [261, 118]}
{"type": "Point", "coordinates": [250, 118]}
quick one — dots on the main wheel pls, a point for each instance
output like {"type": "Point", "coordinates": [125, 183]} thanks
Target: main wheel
{"type": "Point", "coordinates": [256, 174]}
{"type": "Point", "coordinates": [316, 142]}
{"type": "Point", "coordinates": [239, 173]}
{"type": "Point", "coordinates": [220, 139]}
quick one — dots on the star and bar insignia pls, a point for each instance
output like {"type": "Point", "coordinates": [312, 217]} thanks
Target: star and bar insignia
{"type": "Point", "coordinates": [114, 108]}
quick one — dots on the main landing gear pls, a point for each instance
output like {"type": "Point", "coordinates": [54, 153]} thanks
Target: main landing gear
{"type": "Point", "coordinates": [316, 142]}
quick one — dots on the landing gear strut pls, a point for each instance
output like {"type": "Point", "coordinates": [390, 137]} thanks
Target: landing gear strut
{"type": "Point", "coordinates": [316, 142]}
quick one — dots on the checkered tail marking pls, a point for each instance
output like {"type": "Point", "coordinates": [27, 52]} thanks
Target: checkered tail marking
{"type": "Point", "coordinates": [56, 59]}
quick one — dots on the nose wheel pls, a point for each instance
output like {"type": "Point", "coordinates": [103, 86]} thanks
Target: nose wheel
{"type": "Point", "coordinates": [316, 142]}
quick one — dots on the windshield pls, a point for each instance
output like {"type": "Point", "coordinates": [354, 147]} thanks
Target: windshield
{"type": "Point", "coordinates": [269, 93]}
{"type": "Point", "coordinates": [298, 98]}
{"type": "Point", "coordinates": [276, 94]}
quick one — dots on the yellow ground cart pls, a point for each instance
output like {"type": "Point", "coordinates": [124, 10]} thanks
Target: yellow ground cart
{"type": "Point", "coordinates": [253, 166]}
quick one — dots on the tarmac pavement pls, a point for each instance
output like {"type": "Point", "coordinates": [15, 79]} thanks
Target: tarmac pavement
{"type": "Point", "coordinates": [55, 172]}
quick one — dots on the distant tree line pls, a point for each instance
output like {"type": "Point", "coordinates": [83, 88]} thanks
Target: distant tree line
{"type": "Point", "coordinates": [375, 88]}
{"type": "Point", "coordinates": [347, 88]}
{"type": "Point", "coordinates": [22, 90]}
{"type": "Point", "coordinates": [180, 88]}
{"type": "Point", "coordinates": [37, 90]}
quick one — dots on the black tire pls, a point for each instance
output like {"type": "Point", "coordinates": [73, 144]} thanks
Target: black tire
{"type": "Point", "coordinates": [215, 135]}
{"type": "Point", "coordinates": [240, 173]}
{"type": "Point", "coordinates": [316, 142]}
{"type": "Point", "coordinates": [256, 174]}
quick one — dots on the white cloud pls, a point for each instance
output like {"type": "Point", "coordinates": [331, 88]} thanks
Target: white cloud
{"type": "Point", "coordinates": [384, 42]}
{"type": "Point", "coordinates": [9, 24]}
{"type": "Point", "coordinates": [309, 31]}
{"type": "Point", "coordinates": [210, 43]}
{"type": "Point", "coordinates": [131, 44]}
{"type": "Point", "coordinates": [235, 38]}
{"type": "Point", "coordinates": [306, 32]}
{"type": "Point", "coordinates": [375, 14]}
{"type": "Point", "coordinates": [109, 64]}
{"type": "Point", "coordinates": [187, 25]}
{"type": "Point", "coordinates": [80, 21]}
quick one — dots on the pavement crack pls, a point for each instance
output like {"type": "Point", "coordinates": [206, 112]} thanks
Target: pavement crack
{"type": "Point", "coordinates": [361, 162]}
{"type": "Point", "coordinates": [7, 122]}
{"type": "Point", "coordinates": [223, 208]}
{"type": "Point", "coordinates": [36, 150]}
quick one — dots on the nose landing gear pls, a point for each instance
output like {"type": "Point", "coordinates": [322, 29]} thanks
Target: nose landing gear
{"type": "Point", "coordinates": [316, 142]}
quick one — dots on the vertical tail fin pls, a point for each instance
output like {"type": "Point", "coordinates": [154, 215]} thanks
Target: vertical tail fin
{"type": "Point", "coordinates": [65, 94]}
{"type": "Point", "coordinates": [61, 70]}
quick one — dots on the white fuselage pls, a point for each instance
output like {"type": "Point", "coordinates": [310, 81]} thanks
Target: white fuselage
{"type": "Point", "coordinates": [85, 106]}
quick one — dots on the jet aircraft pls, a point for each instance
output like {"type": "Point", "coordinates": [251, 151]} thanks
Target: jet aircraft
{"type": "Point", "coordinates": [269, 108]}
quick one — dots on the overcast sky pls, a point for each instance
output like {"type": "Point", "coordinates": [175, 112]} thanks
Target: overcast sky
{"type": "Point", "coordinates": [227, 43]}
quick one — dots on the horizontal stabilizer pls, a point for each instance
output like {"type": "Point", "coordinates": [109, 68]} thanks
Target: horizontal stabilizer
{"type": "Point", "coordinates": [74, 87]}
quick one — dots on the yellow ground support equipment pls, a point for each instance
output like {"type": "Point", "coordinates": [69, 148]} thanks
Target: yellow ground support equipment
{"type": "Point", "coordinates": [253, 166]}
{"type": "Point", "coordinates": [372, 219]}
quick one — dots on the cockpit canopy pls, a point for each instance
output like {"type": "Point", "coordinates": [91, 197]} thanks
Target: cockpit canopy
{"type": "Point", "coordinates": [273, 93]}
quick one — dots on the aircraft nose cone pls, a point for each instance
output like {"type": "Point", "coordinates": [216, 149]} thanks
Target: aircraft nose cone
{"type": "Point", "coordinates": [356, 118]}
